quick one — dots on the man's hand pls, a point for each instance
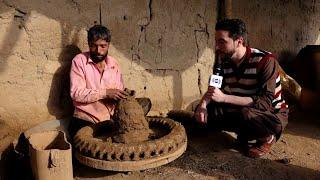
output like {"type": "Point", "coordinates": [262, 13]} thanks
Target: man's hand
{"type": "Point", "coordinates": [116, 94]}
{"type": "Point", "coordinates": [215, 94]}
{"type": "Point", "coordinates": [201, 114]}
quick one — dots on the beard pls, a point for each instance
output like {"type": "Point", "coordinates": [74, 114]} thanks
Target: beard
{"type": "Point", "coordinates": [227, 54]}
{"type": "Point", "coordinates": [96, 58]}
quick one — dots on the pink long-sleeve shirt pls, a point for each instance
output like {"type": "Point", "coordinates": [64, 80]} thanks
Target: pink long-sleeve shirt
{"type": "Point", "coordinates": [88, 87]}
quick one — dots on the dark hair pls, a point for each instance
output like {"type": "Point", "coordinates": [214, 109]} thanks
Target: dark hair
{"type": "Point", "coordinates": [235, 27]}
{"type": "Point", "coordinates": [97, 32]}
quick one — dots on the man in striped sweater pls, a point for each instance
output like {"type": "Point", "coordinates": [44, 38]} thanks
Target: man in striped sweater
{"type": "Point", "coordinates": [249, 102]}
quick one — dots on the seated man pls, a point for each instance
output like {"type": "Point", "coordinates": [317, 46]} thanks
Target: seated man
{"type": "Point", "coordinates": [96, 82]}
{"type": "Point", "coordinates": [249, 102]}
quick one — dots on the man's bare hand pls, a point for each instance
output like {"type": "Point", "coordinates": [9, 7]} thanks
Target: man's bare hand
{"type": "Point", "coordinates": [215, 94]}
{"type": "Point", "coordinates": [116, 94]}
{"type": "Point", "coordinates": [201, 115]}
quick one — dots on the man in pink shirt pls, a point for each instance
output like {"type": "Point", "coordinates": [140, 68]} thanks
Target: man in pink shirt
{"type": "Point", "coordinates": [95, 81]}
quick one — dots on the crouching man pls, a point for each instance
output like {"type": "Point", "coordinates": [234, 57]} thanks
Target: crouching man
{"type": "Point", "coordinates": [249, 102]}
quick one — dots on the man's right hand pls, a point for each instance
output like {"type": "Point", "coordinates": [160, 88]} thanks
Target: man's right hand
{"type": "Point", "coordinates": [201, 115]}
{"type": "Point", "coordinates": [116, 94]}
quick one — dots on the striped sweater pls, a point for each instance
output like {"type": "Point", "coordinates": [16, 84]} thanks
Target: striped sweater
{"type": "Point", "coordinates": [258, 77]}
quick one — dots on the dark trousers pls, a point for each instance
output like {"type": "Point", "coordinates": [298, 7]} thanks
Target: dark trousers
{"type": "Point", "coordinates": [247, 122]}
{"type": "Point", "coordinates": [75, 125]}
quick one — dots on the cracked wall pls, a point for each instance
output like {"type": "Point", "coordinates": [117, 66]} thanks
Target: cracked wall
{"type": "Point", "coordinates": [165, 49]}
{"type": "Point", "coordinates": [282, 27]}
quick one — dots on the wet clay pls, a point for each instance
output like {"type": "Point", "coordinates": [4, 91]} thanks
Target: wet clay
{"type": "Point", "coordinates": [130, 121]}
{"type": "Point", "coordinates": [166, 138]}
{"type": "Point", "coordinates": [132, 141]}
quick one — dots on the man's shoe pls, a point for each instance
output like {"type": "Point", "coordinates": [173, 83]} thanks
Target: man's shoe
{"type": "Point", "coordinates": [261, 147]}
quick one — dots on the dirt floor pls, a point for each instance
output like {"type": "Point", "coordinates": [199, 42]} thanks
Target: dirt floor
{"type": "Point", "coordinates": [210, 155]}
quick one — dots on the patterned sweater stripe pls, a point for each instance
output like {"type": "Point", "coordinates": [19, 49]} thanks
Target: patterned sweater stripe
{"type": "Point", "coordinates": [243, 80]}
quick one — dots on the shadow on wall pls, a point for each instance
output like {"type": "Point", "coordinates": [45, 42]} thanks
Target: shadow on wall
{"type": "Point", "coordinates": [165, 38]}
{"type": "Point", "coordinates": [60, 103]}
{"type": "Point", "coordinates": [285, 58]}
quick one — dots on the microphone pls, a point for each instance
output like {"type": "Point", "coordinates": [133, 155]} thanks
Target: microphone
{"type": "Point", "coordinates": [215, 80]}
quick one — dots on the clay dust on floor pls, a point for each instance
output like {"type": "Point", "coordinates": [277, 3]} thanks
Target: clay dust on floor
{"type": "Point", "coordinates": [210, 156]}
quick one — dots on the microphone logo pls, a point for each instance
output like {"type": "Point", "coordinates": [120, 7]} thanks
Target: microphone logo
{"type": "Point", "coordinates": [215, 81]}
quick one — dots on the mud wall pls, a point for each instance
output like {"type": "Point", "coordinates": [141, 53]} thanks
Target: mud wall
{"type": "Point", "coordinates": [165, 48]}
{"type": "Point", "coordinates": [282, 27]}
